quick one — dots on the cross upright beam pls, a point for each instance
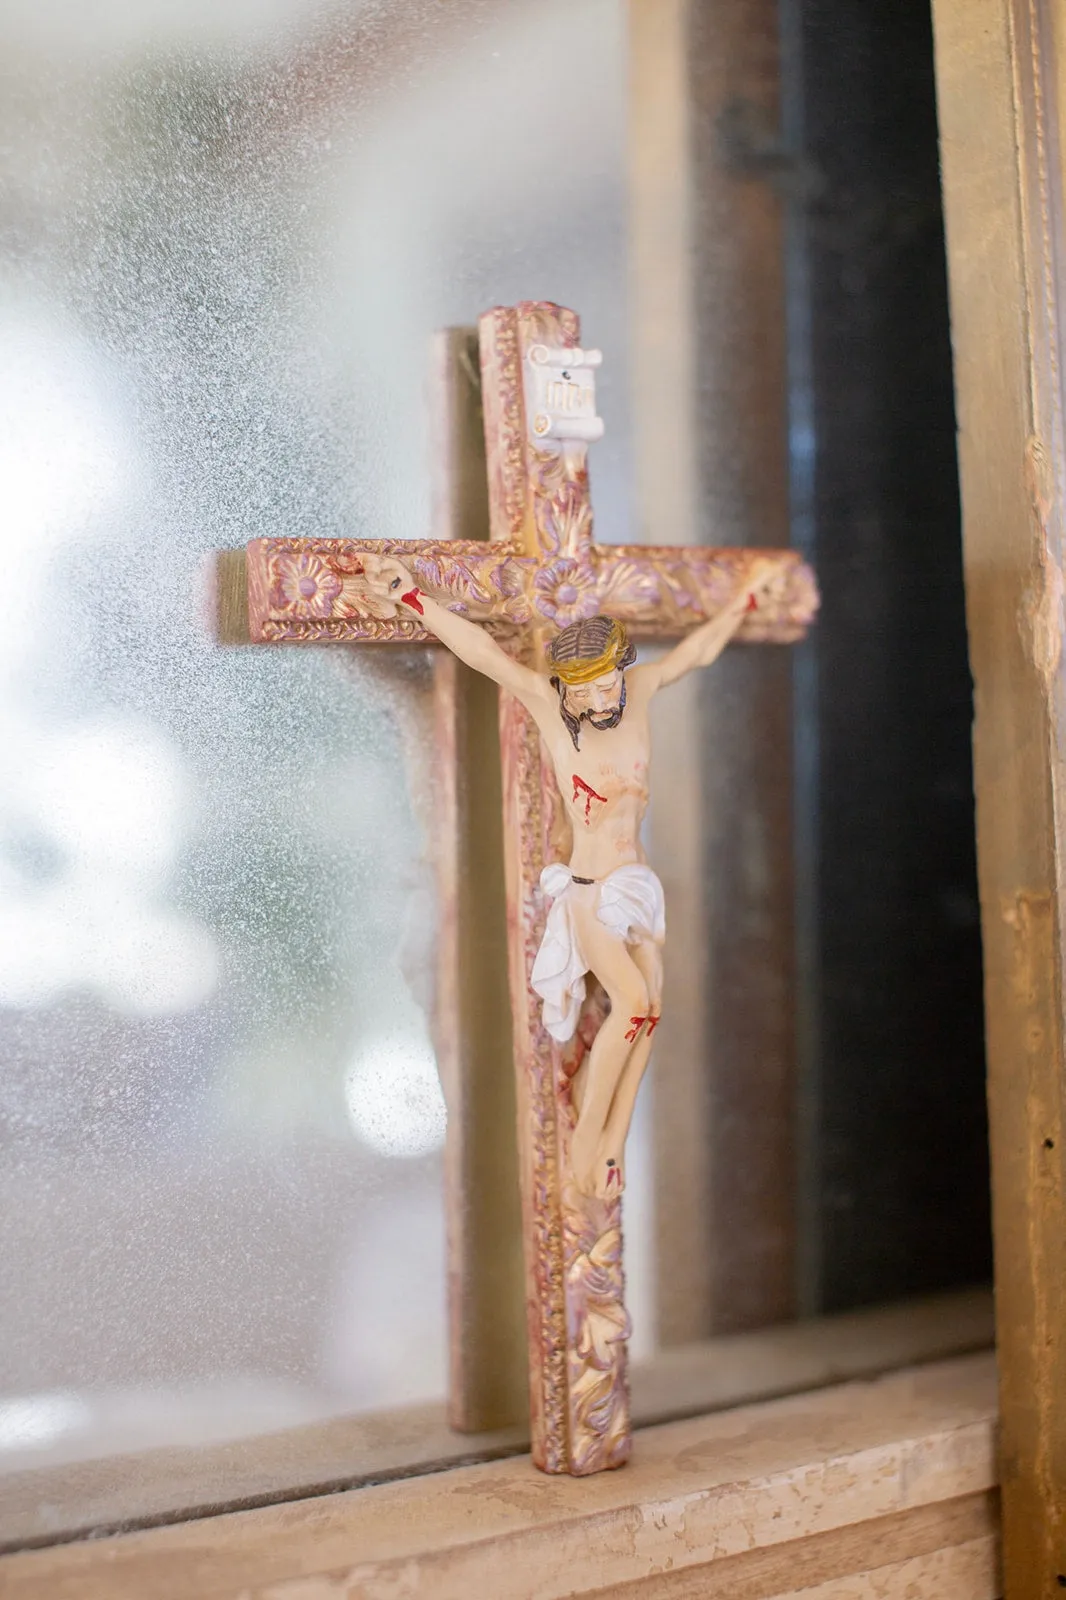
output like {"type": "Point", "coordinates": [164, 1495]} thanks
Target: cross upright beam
{"type": "Point", "coordinates": [540, 571]}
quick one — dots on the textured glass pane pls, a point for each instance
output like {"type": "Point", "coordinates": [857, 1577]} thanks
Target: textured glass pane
{"type": "Point", "coordinates": [228, 234]}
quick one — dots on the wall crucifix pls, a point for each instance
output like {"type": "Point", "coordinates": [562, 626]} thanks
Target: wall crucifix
{"type": "Point", "coordinates": [551, 617]}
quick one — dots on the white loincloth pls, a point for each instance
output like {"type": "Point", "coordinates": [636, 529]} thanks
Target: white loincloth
{"type": "Point", "coordinates": [629, 904]}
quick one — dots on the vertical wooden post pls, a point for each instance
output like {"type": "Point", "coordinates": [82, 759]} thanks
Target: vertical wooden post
{"type": "Point", "coordinates": [711, 430]}
{"type": "Point", "coordinates": [1000, 66]}
{"type": "Point", "coordinates": [488, 1379]}
{"type": "Point", "coordinates": [664, 360]}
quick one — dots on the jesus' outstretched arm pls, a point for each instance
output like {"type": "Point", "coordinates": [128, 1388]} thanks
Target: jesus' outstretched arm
{"type": "Point", "coordinates": [390, 579]}
{"type": "Point", "coordinates": [705, 644]}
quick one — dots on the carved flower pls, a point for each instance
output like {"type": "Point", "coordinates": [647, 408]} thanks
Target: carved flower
{"type": "Point", "coordinates": [304, 586]}
{"type": "Point", "coordinates": [565, 591]}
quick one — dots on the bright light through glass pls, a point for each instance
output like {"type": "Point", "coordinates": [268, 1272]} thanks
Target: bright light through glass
{"type": "Point", "coordinates": [111, 793]}
{"type": "Point", "coordinates": [394, 1097]}
{"type": "Point", "coordinates": [105, 801]}
{"type": "Point", "coordinates": [59, 452]}
{"type": "Point", "coordinates": [111, 802]}
{"type": "Point", "coordinates": [29, 1420]}
{"type": "Point", "coordinates": [90, 932]}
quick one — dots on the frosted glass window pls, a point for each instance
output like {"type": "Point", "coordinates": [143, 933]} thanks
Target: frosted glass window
{"type": "Point", "coordinates": [229, 232]}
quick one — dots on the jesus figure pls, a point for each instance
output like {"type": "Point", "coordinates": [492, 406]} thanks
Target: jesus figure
{"type": "Point", "coordinates": [606, 914]}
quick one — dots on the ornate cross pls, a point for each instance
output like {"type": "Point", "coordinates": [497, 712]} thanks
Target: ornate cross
{"type": "Point", "coordinates": [539, 572]}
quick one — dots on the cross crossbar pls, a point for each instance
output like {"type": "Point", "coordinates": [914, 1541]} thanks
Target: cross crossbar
{"type": "Point", "coordinates": [309, 591]}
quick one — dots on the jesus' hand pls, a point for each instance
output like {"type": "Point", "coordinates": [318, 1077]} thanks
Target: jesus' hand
{"type": "Point", "coordinates": [766, 576]}
{"type": "Point", "coordinates": [392, 586]}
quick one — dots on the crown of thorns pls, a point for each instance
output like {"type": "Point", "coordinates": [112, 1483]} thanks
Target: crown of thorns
{"type": "Point", "coordinates": [588, 649]}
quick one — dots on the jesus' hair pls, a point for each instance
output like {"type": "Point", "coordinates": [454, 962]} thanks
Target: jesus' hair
{"type": "Point", "coordinates": [588, 640]}
{"type": "Point", "coordinates": [583, 644]}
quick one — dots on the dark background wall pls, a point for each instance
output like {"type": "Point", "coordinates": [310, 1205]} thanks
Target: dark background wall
{"type": "Point", "coordinates": [894, 1173]}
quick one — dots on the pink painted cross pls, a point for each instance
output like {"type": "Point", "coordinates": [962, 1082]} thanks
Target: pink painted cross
{"type": "Point", "coordinates": [540, 571]}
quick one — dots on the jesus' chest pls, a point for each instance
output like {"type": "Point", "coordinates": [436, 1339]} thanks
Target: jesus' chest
{"type": "Point", "coordinates": [597, 789]}
{"type": "Point", "coordinates": [607, 775]}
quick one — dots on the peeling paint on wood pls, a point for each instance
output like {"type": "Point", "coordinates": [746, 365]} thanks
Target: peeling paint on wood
{"type": "Point", "coordinates": [997, 65]}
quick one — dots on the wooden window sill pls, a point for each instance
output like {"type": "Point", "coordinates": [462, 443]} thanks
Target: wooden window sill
{"type": "Point", "coordinates": [890, 1483]}
{"type": "Point", "coordinates": [101, 1492]}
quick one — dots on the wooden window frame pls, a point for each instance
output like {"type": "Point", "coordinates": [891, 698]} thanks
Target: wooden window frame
{"type": "Point", "coordinates": [1001, 74]}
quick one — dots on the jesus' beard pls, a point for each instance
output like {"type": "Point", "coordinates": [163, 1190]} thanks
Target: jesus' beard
{"type": "Point", "coordinates": [603, 719]}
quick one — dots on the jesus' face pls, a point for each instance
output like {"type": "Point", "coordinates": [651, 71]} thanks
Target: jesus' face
{"type": "Point", "coordinates": [600, 703]}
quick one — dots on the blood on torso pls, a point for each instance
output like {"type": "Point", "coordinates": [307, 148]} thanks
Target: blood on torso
{"type": "Point", "coordinates": [586, 789]}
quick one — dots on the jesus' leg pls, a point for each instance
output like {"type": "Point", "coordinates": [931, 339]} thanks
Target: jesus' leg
{"type": "Point", "coordinates": [612, 963]}
{"type": "Point", "coordinates": [610, 1167]}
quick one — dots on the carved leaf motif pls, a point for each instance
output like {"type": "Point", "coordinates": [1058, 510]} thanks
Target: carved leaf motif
{"type": "Point", "coordinates": [453, 582]}
{"type": "Point", "coordinates": [512, 580]}
{"type": "Point", "coordinates": [561, 508]}
{"type": "Point", "coordinates": [598, 1327]}
{"type": "Point", "coordinates": [628, 589]}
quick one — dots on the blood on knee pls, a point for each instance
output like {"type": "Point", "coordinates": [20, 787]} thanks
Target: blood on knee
{"type": "Point", "coordinates": [635, 1025]}
{"type": "Point", "coordinates": [653, 1023]}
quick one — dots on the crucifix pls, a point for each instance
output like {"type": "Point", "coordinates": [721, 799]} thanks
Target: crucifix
{"type": "Point", "coordinates": [551, 617]}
